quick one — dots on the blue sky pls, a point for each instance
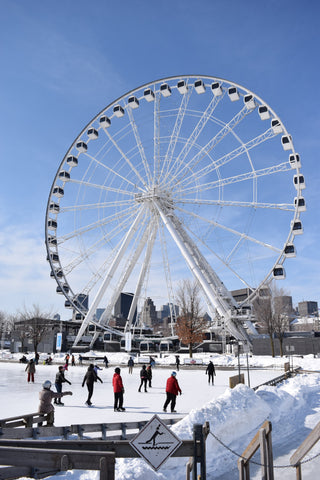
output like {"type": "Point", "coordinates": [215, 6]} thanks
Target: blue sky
{"type": "Point", "coordinates": [64, 61]}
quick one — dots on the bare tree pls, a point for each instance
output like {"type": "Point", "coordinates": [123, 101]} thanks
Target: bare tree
{"type": "Point", "coordinates": [273, 310]}
{"type": "Point", "coordinates": [190, 325]}
{"type": "Point", "coordinates": [35, 325]}
{"type": "Point", "coordinates": [6, 326]}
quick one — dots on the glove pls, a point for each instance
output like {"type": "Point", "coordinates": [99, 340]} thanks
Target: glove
{"type": "Point", "coordinates": [67, 393]}
{"type": "Point", "coordinates": [180, 393]}
{"type": "Point", "coordinates": [69, 383]}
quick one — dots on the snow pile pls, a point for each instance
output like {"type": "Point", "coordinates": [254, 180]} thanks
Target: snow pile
{"type": "Point", "coordinates": [234, 419]}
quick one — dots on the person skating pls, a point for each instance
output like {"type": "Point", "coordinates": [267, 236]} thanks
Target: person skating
{"type": "Point", "coordinates": [177, 362]}
{"type": "Point", "coordinates": [45, 397]}
{"type": "Point", "coordinates": [210, 371]}
{"type": "Point", "coordinates": [89, 379]}
{"type": "Point", "coordinates": [105, 361]}
{"type": "Point", "coordinates": [130, 364]}
{"type": "Point", "coordinates": [31, 369]}
{"type": "Point", "coordinates": [118, 391]}
{"type": "Point", "coordinates": [172, 390]}
{"type": "Point", "coordinates": [143, 378]}
{"type": "Point", "coordinates": [149, 375]}
{"type": "Point", "coordinates": [60, 379]}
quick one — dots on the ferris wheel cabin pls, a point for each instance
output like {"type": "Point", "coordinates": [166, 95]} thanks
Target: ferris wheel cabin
{"type": "Point", "coordinates": [276, 126]}
{"type": "Point", "coordinates": [297, 227]}
{"type": "Point", "coordinates": [286, 142]}
{"type": "Point", "coordinates": [52, 224]}
{"type": "Point", "coordinates": [64, 176]}
{"type": "Point", "coordinates": [300, 203]}
{"type": "Point", "coordinates": [294, 160]}
{"type": "Point", "coordinates": [199, 86]}
{"type": "Point", "coordinates": [279, 272]}
{"type": "Point", "coordinates": [133, 102]}
{"type": "Point", "coordinates": [58, 192]}
{"type": "Point", "coordinates": [54, 208]}
{"type": "Point", "coordinates": [249, 102]}
{"type": "Point", "coordinates": [216, 89]}
{"type": "Point", "coordinates": [105, 121]}
{"type": "Point", "coordinates": [72, 161]}
{"type": "Point", "coordinates": [118, 111]}
{"type": "Point", "coordinates": [82, 147]}
{"type": "Point", "coordinates": [165, 90]}
{"type": "Point", "coordinates": [233, 94]}
{"type": "Point", "coordinates": [182, 87]}
{"type": "Point", "coordinates": [298, 181]}
{"type": "Point", "coordinates": [289, 250]}
{"type": "Point", "coordinates": [264, 112]}
{"type": "Point", "coordinates": [92, 133]}
{"type": "Point", "coordinates": [148, 94]}
{"type": "Point", "coordinates": [61, 289]}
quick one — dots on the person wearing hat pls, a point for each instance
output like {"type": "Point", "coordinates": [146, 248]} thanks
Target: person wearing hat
{"type": "Point", "coordinates": [118, 391]}
{"type": "Point", "coordinates": [45, 396]}
{"type": "Point", "coordinates": [172, 390]}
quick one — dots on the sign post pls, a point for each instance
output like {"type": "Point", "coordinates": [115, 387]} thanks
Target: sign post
{"type": "Point", "coordinates": [155, 442]}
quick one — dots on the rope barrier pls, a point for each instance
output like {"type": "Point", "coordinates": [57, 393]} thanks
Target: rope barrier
{"type": "Point", "coordinates": [258, 463]}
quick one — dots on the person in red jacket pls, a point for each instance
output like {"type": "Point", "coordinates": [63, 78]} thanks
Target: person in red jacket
{"type": "Point", "coordinates": [118, 391]}
{"type": "Point", "coordinates": [172, 390]}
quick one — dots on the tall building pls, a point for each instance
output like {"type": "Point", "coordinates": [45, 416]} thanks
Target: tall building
{"type": "Point", "coordinates": [148, 314]}
{"type": "Point", "coordinates": [122, 306]}
{"type": "Point", "coordinates": [165, 311]}
{"type": "Point", "coordinates": [308, 308]}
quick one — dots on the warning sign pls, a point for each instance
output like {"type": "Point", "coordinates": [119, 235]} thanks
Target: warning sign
{"type": "Point", "coordinates": [155, 442]}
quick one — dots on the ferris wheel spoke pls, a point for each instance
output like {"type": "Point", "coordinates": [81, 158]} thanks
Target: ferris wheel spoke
{"type": "Point", "coordinates": [227, 203]}
{"type": "Point", "coordinates": [101, 187]}
{"type": "Point", "coordinates": [93, 206]}
{"type": "Point", "coordinates": [126, 241]}
{"type": "Point", "coordinates": [140, 145]}
{"type": "Point", "coordinates": [156, 137]}
{"type": "Point", "coordinates": [167, 272]}
{"type": "Point", "coordinates": [230, 156]}
{"type": "Point", "coordinates": [190, 142]}
{"type": "Point", "coordinates": [111, 170]}
{"type": "Point", "coordinates": [175, 134]}
{"type": "Point", "coordinates": [205, 150]}
{"type": "Point", "coordinates": [230, 230]}
{"type": "Point", "coordinates": [100, 274]}
{"type": "Point", "coordinates": [131, 262]}
{"type": "Point", "coordinates": [99, 223]}
{"type": "Point", "coordinates": [83, 256]}
{"type": "Point", "coordinates": [149, 232]}
{"type": "Point", "coordinates": [221, 260]}
{"type": "Point", "coordinates": [282, 167]}
{"type": "Point", "coordinates": [125, 157]}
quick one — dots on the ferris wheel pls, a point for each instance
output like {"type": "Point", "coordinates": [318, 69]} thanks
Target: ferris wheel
{"type": "Point", "coordinates": [184, 174]}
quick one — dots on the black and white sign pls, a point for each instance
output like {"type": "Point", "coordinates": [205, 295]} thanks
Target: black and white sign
{"type": "Point", "coordinates": [155, 442]}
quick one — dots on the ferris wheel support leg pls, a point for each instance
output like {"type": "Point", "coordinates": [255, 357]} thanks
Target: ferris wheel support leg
{"type": "Point", "coordinates": [185, 248]}
{"type": "Point", "coordinates": [109, 275]}
{"type": "Point", "coordinates": [142, 275]}
{"type": "Point", "coordinates": [126, 274]}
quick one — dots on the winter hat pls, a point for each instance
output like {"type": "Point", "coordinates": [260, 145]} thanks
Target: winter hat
{"type": "Point", "coordinates": [173, 374]}
{"type": "Point", "coordinates": [117, 370]}
{"type": "Point", "coordinates": [46, 384]}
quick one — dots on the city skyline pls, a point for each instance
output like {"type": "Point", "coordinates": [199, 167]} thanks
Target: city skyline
{"type": "Point", "coordinates": [59, 71]}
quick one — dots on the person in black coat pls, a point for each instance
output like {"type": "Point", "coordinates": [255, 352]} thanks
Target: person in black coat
{"type": "Point", "coordinates": [89, 379]}
{"type": "Point", "coordinates": [210, 372]}
{"type": "Point", "coordinates": [143, 378]}
{"type": "Point", "coordinates": [60, 379]}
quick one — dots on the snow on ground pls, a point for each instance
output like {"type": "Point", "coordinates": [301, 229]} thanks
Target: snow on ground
{"type": "Point", "coordinates": [234, 415]}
